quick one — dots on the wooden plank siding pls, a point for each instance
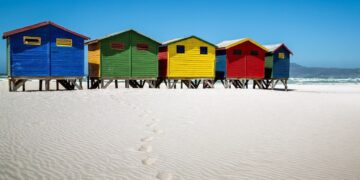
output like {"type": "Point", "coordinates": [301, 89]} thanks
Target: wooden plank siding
{"type": "Point", "coordinates": [245, 65]}
{"type": "Point", "coordinates": [30, 60]}
{"type": "Point", "coordinates": [8, 56]}
{"type": "Point", "coordinates": [220, 64]}
{"type": "Point", "coordinates": [191, 64]}
{"type": "Point", "coordinates": [33, 51]}
{"type": "Point", "coordinates": [276, 67]}
{"type": "Point", "coordinates": [132, 56]}
{"type": "Point", "coordinates": [281, 67]}
{"type": "Point", "coordinates": [144, 63]}
{"type": "Point", "coordinates": [66, 60]}
{"type": "Point", "coordinates": [94, 59]}
{"type": "Point", "coordinates": [114, 62]}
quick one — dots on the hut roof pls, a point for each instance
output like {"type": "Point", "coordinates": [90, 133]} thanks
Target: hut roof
{"type": "Point", "coordinates": [274, 47]}
{"type": "Point", "coordinates": [117, 33]}
{"type": "Point", "coordinates": [181, 39]}
{"type": "Point", "coordinates": [231, 43]}
{"type": "Point", "coordinates": [34, 26]}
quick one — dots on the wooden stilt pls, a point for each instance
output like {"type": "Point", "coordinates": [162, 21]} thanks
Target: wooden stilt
{"type": "Point", "coordinates": [80, 83]}
{"type": "Point", "coordinates": [116, 83]}
{"type": "Point", "coordinates": [127, 85]}
{"type": "Point", "coordinates": [57, 85]}
{"type": "Point", "coordinates": [47, 85]}
{"type": "Point", "coordinates": [40, 85]}
{"type": "Point", "coordinates": [10, 89]}
{"type": "Point", "coordinates": [88, 85]}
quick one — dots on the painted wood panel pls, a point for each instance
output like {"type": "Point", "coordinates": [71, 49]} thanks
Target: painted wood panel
{"type": "Point", "coordinates": [191, 64]}
{"type": "Point", "coordinates": [30, 60]}
{"type": "Point", "coordinates": [163, 61]}
{"type": "Point", "coordinates": [114, 62]}
{"type": "Point", "coordinates": [246, 64]}
{"type": "Point", "coordinates": [66, 60]}
{"type": "Point", "coordinates": [94, 59]}
{"type": "Point", "coordinates": [220, 64]}
{"type": "Point", "coordinates": [276, 67]}
{"type": "Point", "coordinates": [144, 62]}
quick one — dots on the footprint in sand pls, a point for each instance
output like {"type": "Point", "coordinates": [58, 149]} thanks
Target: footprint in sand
{"type": "Point", "coordinates": [155, 119]}
{"type": "Point", "coordinates": [164, 176]}
{"type": "Point", "coordinates": [145, 148]}
{"type": "Point", "coordinates": [158, 131]}
{"type": "Point", "coordinates": [151, 125]}
{"type": "Point", "coordinates": [147, 139]}
{"type": "Point", "coordinates": [148, 161]}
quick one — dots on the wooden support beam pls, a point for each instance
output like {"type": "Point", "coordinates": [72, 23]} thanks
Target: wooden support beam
{"type": "Point", "coordinates": [107, 84]}
{"type": "Point", "coordinates": [78, 86]}
{"type": "Point", "coordinates": [116, 83]}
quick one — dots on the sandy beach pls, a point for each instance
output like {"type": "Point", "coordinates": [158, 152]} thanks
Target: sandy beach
{"type": "Point", "coordinates": [309, 132]}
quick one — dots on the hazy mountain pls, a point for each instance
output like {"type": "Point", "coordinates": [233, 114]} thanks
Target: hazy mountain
{"type": "Point", "coordinates": [298, 71]}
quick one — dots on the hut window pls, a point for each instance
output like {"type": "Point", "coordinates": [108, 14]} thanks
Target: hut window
{"type": "Point", "coordinates": [180, 49]}
{"type": "Point", "coordinates": [281, 55]}
{"type": "Point", "coordinates": [142, 46]}
{"type": "Point", "coordinates": [237, 52]}
{"type": "Point", "coordinates": [117, 45]}
{"type": "Point", "coordinates": [254, 53]}
{"type": "Point", "coordinates": [203, 50]}
{"type": "Point", "coordinates": [31, 40]}
{"type": "Point", "coordinates": [63, 42]}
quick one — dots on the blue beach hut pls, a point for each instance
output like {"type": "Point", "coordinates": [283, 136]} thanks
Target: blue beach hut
{"type": "Point", "coordinates": [44, 51]}
{"type": "Point", "coordinates": [277, 64]}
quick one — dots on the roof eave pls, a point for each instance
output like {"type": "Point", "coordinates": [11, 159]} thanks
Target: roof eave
{"type": "Point", "coordinates": [38, 25]}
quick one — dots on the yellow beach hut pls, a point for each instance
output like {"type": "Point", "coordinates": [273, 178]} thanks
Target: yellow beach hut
{"type": "Point", "coordinates": [189, 60]}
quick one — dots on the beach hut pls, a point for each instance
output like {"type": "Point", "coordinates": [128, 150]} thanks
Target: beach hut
{"type": "Point", "coordinates": [189, 60]}
{"type": "Point", "coordinates": [45, 51]}
{"type": "Point", "coordinates": [277, 65]}
{"type": "Point", "coordinates": [240, 60]}
{"type": "Point", "coordinates": [127, 55]}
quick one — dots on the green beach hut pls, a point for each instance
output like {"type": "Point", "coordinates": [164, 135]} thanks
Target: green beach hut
{"type": "Point", "coordinates": [127, 55]}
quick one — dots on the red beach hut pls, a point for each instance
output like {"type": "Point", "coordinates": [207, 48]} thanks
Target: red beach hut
{"type": "Point", "coordinates": [245, 58]}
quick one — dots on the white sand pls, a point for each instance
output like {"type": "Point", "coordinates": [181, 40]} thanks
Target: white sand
{"type": "Point", "coordinates": [310, 133]}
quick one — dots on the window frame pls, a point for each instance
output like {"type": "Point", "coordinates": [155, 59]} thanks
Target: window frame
{"type": "Point", "coordinates": [58, 40]}
{"type": "Point", "coordinates": [142, 47]}
{"type": "Point", "coordinates": [281, 55]}
{"type": "Point", "coordinates": [113, 46]}
{"type": "Point", "coordinates": [177, 49]}
{"type": "Point", "coordinates": [204, 48]}
{"type": "Point", "coordinates": [254, 53]}
{"type": "Point", "coordinates": [237, 52]}
{"type": "Point", "coordinates": [38, 38]}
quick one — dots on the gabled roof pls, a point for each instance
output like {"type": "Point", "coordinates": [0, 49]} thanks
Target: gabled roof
{"type": "Point", "coordinates": [117, 33]}
{"type": "Point", "coordinates": [231, 43]}
{"type": "Point", "coordinates": [182, 39]}
{"type": "Point", "coordinates": [45, 23]}
{"type": "Point", "coordinates": [274, 47]}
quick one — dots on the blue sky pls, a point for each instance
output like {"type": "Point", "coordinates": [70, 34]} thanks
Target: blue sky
{"type": "Point", "coordinates": [320, 33]}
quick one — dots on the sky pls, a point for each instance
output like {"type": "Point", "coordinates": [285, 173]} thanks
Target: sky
{"type": "Point", "coordinates": [321, 33]}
